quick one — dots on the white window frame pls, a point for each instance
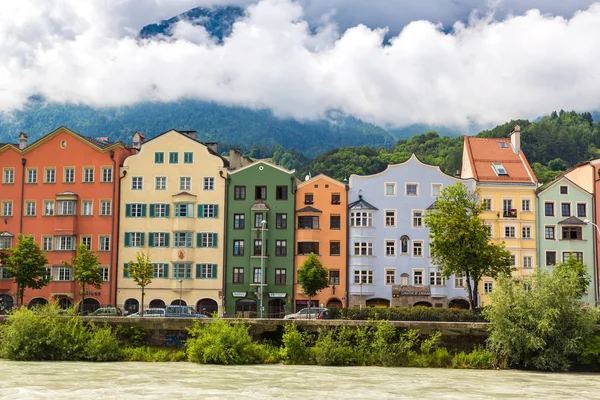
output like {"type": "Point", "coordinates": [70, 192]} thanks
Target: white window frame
{"type": "Point", "coordinates": [87, 240]}
{"type": "Point", "coordinates": [208, 210]}
{"type": "Point", "coordinates": [32, 175]}
{"type": "Point", "coordinates": [50, 175]}
{"type": "Point", "coordinates": [386, 185]}
{"type": "Point", "coordinates": [47, 243]}
{"type": "Point", "coordinates": [208, 183]}
{"type": "Point", "coordinates": [48, 211]}
{"type": "Point", "coordinates": [66, 207]}
{"type": "Point", "coordinates": [87, 207]}
{"type": "Point", "coordinates": [359, 216]}
{"type": "Point", "coordinates": [105, 208]}
{"type": "Point", "coordinates": [523, 230]}
{"type": "Point", "coordinates": [106, 171]}
{"type": "Point", "coordinates": [527, 259]}
{"type": "Point", "coordinates": [413, 217]}
{"type": "Point", "coordinates": [104, 243]}
{"type": "Point", "coordinates": [459, 281]}
{"type": "Point", "coordinates": [64, 243]}
{"type": "Point", "coordinates": [436, 278]}
{"type": "Point", "coordinates": [137, 183]}
{"type": "Point", "coordinates": [7, 208]}
{"type": "Point", "coordinates": [421, 277]}
{"type": "Point", "coordinates": [488, 287]}
{"type": "Point", "coordinates": [8, 176]}
{"type": "Point", "coordinates": [386, 243]}
{"type": "Point", "coordinates": [407, 184]}
{"type": "Point", "coordinates": [135, 239]}
{"type": "Point", "coordinates": [159, 239]}
{"type": "Point", "coordinates": [433, 185]}
{"type": "Point", "coordinates": [160, 183]}
{"type": "Point", "coordinates": [367, 247]}
{"type": "Point", "coordinates": [526, 199]}
{"type": "Point", "coordinates": [514, 231]}
{"type": "Point", "coordinates": [385, 218]}
{"type": "Point", "coordinates": [553, 229]}
{"type": "Point", "coordinates": [364, 275]}
{"type": "Point", "coordinates": [87, 176]}
{"type": "Point", "coordinates": [491, 201]}
{"type": "Point", "coordinates": [414, 243]}
{"type": "Point", "coordinates": [387, 276]}
{"type": "Point", "coordinates": [185, 183]}
{"type": "Point", "coordinates": [30, 208]}
{"type": "Point", "coordinates": [68, 174]}
{"type": "Point", "coordinates": [160, 210]}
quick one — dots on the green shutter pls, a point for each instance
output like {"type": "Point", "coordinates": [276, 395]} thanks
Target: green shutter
{"type": "Point", "coordinates": [143, 210]}
{"type": "Point", "coordinates": [200, 210]}
{"type": "Point", "coordinates": [214, 239]}
{"type": "Point", "coordinates": [199, 239]}
{"type": "Point", "coordinates": [167, 210]}
{"type": "Point", "coordinates": [216, 206]}
{"type": "Point", "coordinates": [198, 271]}
{"type": "Point", "coordinates": [166, 271]}
{"type": "Point", "coordinates": [214, 270]}
{"type": "Point", "coordinates": [142, 234]}
{"type": "Point", "coordinates": [127, 240]}
{"type": "Point", "coordinates": [128, 210]}
{"type": "Point", "coordinates": [167, 239]}
{"type": "Point", "coordinates": [150, 239]}
{"type": "Point", "coordinates": [126, 271]}
{"type": "Point", "coordinates": [152, 210]}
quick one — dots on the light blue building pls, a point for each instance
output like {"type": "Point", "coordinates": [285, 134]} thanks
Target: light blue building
{"type": "Point", "coordinates": [389, 263]}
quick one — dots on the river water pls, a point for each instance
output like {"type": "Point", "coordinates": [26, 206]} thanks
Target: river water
{"type": "Point", "coordinates": [71, 380]}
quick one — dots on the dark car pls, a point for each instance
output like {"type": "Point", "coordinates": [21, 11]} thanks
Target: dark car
{"type": "Point", "coordinates": [106, 312]}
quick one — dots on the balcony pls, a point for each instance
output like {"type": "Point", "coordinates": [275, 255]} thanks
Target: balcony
{"type": "Point", "coordinates": [65, 225]}
{"type": "Point", "coordinates": [512, 213]}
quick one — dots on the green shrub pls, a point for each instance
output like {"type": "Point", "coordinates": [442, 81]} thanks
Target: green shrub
{"type": "Point", "coordinates": [103, 345]}
{"type": "Point", "coordinates": [331, 349]}
{"type": "Point", "coordinates": [132, 335]}
{"type": "Point", "coordinates": [590, 353]}
{"type": "Point", "coordinates": [477, 359]}
{"type": "Point", "coordinates": [153, 354]}
{"type": "Point", "coordinates": [406, 314]}
{"type": "Point", "coordinates": [295, 349]}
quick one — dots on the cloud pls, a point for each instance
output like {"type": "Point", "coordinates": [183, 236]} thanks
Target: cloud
{"type": "Point", "coordinates": [483, 72]}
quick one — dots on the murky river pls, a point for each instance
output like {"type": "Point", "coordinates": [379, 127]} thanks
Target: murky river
{"type": "Point", "coordinates": [41, 380]}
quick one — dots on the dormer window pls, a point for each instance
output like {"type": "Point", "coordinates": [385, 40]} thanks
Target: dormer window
{"type": "Point", "coordinates": [499, 169]}
{"type": "Point", "coordinates": [503, 145]}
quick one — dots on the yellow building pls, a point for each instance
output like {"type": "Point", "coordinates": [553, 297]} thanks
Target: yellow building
{"type": "Point", "coordinates": [506, 185]}
{"type": "Point", "coordinates": [173, 207]}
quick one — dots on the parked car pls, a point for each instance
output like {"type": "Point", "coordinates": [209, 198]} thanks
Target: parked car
{"type": "Point", "coordinates": [182, 312]}
{"type": "Point", "coordinates": [307, 313]}
{"type": "Point", "coordinates": [324, 314]}
{"type": "Point", "coordinates": [149, 313]}
{"type": "Point", "coordinates": [107, 312]}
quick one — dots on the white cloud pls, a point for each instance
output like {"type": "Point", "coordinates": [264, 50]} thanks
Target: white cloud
{"type": "Point", "coordinates": [485, 72]}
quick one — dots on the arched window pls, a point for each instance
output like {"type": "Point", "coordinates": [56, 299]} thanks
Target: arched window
{"type": "Point", "coordinates": [404, 244]}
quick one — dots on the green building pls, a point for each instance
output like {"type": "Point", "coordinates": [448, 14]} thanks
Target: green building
{"type": "Point", "coordinates": [260, 192]}
{"type": "Point", "coordinates": [563, 208]}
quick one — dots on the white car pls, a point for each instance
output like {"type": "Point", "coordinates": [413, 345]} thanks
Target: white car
{"type": "Point", "coordinates": [306, 313]}
{"type": "Point", "coordinates": [149, 313]}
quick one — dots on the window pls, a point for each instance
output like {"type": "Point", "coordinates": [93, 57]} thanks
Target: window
{"type": "Point", "coordinates": [335, 198]}
{"type": "Point", "coordinates": [499, 169]}
{"type": "Point", "coordinates": [564, 190]}
{"type": "Point", "coordinates": [390, 218]}
{"type": "Point", "coordinates": [239, 192]}
{"type": "Point", "coordinates": [258, 220]}
{"type": "Point", "coordinates": [565, 209]}
{"type": "Point", "coordinates": [182, 270]}
{"type": "Point", "coordinates": [334, 222]}
{"type": "Point", "coordinates": [182, 239]}
{"type": "Point", "coordinates": [209, 183]}
{"type": "Point", "coordinates": [206, 239]}
{"type": "Point", "coordinates": [160, 210]}
{"type": "Point", "coordinates": [526, 232]}
{"type": "Point", "coordinates": [87, 241]}
{"type": "Point", "coordinates": [7, 208]}
{"type": "Point", "coordinates": [513, 260]}
{"type": "Point", "coordinates": [507, 206]}
{"type": "Point", "coordinates": [305, 248]}
{"type": "Point", "coordinates": [260, 193]}
{"type": "Point", "coordinates": [280, 276]}
{"type": "Point", "coordinates": [185, 183]}
{"type": "Point", "coordinates": [281, 193]}
{"type": "Point", "coordinates": [9, 175]}
{"type": "Point", "coordinates": [31, 175]}
{"type": "Point", "coordinates": [363, 249]}
{"type": "Point", "coordinates": [258, 248]}
{"type": "Point", "coordinates": [88, 175]}
{"type": "Point", "coordinates": [134, 239]}
{"type": "Point", "coordinates": [238, 247]}
{"type": "Point", "coordinates": [184, 210]}
{"type": "Point", "coordinates": [238, 275]}
{"type": "Point", "coordinates": [160, 270]}
{"type": "Point", "coordinates": [308, 222]}
{"type": "Point", "coordinates": [525, 205]}
{"type": "Point", "coordinates": [417, 248]}
{"type": "Point", "coordinates": [509, 232]}
{"type": "Point", "coordinates": [30, 208]}
{"type": "Point", "coordinates": [208, 210]}
{"type": "Point", "coordinates": [549, 209]}
{"type": "Point", "coordinates": [363, 276]}
{"type": "Point", "coordinates": [334, 248]}
{"type": "Point", "coordinates": [206, 271]}
{"type": "Point", "coordinates": [50, 176]}
{"type": "Point", "coordinates": [577, 255]}
{"type": "Point", "coordinates": [549, 232]}
{"type": "Point", "coordinates": [418, 277]}
{"type": "Point", "coordinates": [581, 210]}
{"type": "Point", "coordinates": [417, 219]}
{"type": "Point", "coordinates": [188, 157]}
{"type": "Point", "coordinates": [105, 206]}
{"type": "Point", "coordinates": [308, 198]}
{"type": "Point", "coordinates": [106, 174]}
{"type": "Point", "coordinates": [173, 157]}
{"type": "Point", "coordinates": [436, 279]}
{"type": "Point", "coordinates": [487, 204]}
{"type": "Point", "coordinates": [49, 207]}
{"type": "Point", "coordinates": [459, 281]}
{"type": "Point", "coordinates": [390, 277]}
{"type": "Point", "coordinates": [160, 183]}
{"type": "Point", "coordinates": [4, 273]}
{"type": "Point", "coordinates": [62, 274]}
{"type": "Point", "coordinates": [281, 221]}
{"type": "Point", "coordinates": [104, 243]}
{"type": "Point", "coordinates": [572, 233]}
{"type": "Point", "coordinates": [47, 243]}
{"type": "Point", "coordinates": [361, 218]}
{"type": "Point", "coordinates": [158, 239]}
{"type": "Point", "coordinates": [390, 189]}
{"type": "Point", "coordinates": [488, 287]}
{"type": "Point", "coordinates": [86, 207]}
{"type": "Point", "coordinates": [334, 277]}
{"type": "Point", "coordinates": [159, 157]}
{"type": "Point", "coordinates": [503, 145]}
{"type": "Point", "coordinates": [257, 276]}
{"type": "Point", "coordinates": [64, 243]}
{"type": "Point", "coordinates": [66, 207]}
{"type": "Point", "coordinates": [412, 189]}
{"type": "Point", "coordinates": [390, 248]}
{"type": "Point", "coordinates": [281, 247]}
{"type": "Point", "coordinates": [527, 261]}
{"type": "Point", "coordinates": [550, 258]}
{"type": "Point", "coordinates": [135, 210]}
{"type": "Point", "coordinates": [5, 242]}
{"type": "Point", "coordinates": [436, 188]}
{"type": "Point", "coordinates": [136, 183]}
{"type": "Point", "coordinates": [239, 221]}
{"type": "Point", "coordinates": [69, 175]}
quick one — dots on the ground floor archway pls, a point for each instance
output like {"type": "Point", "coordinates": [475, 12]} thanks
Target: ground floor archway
{"type": "Point", "coordinates": [459, 304]}
{"type": "Point", "coordinates": [334, 303]}
{"type": "Point", "coordinates": [276, 308]}
{"type": "Point", "coordinates": [245, 308]}
{"type": "Point", "coordinates": [131, 306]}
{"type": "Point", "coordinates": [6, 303]}
{"type": "Point", "coordinates": [378, 302]}
{"type": "Point", "coordinates": [422, 304]}
{"type": "Point", "coordinates": [157, 303]}
{"type": "Point", "coordinates": [38, 301]}
{"type": "Point", "coordinates": [64, 303]}
{"type": "Point", "coordinates": [178, 302]}
{"type": "Point", "coordinates": [90, 305]}
{"type": "Point", "coordinates": [207, 307]}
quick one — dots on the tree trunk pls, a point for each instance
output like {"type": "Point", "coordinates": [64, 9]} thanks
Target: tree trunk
{"type": "Point", "coordinates": [472, 292]}
{"type": "Point", "coordinates": [21, 294]}
{"type": "Point", "coordinates": [82, 298]}
{"type": "Point", "coordinates": [475, 296]}
{"type": "Point", "coordinates": [18, 294]}
{"type": "Point", "coordinates": [142, 305]}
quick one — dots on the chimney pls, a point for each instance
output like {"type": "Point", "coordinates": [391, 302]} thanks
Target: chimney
{"type": "Point", "coordinates": [515, 139]}
{"type": "Point", "coordinates": [212, 146]}
{"type": "Point", "coordinates": [191, 134]}
{"type": "Point", "coordinates": [22, 140]}
{"type": "Point", "coordinates": [235, 159]}
{"type": "Point", "coordinates": [138, 139]}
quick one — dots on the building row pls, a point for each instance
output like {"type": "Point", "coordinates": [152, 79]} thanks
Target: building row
{"type": "Point", "coordinates": [227, 234]}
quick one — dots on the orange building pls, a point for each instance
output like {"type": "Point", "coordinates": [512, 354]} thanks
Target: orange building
{"type": "Point", "coordinates": [321, 228]}
{"type": "Point", "coordinates": [63, 190]}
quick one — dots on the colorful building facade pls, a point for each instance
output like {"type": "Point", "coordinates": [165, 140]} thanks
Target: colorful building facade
{"type": "Point", "coordinates": [173, 209]}
{"type": "Point", "coordinates": [63, 190]}
{"type": "Point", "coordinates": [321, 228]}
{"type": "Point", "coordinates": [257, 193]}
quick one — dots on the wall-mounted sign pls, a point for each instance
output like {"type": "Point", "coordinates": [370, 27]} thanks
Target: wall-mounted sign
{"type": "Point", "coordinates": [238, 294]}
{"type": "Point", "coordinates": [181, 254]}
{"type": "Point", "coordinates": [277, 295]}
{"type": "Point", "coordinates": [90, 293]}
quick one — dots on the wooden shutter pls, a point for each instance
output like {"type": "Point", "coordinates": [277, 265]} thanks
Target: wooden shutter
{"type": "Point", "coordinates": [198, 271]}
{"type": "Point", "coordinates": [128, 210]}
{"type": "Point", "coordinates": [214, 239]}
{"type": "Point", "coordinates": [167, 239]}
{"type": "Point", "coordinates": [214, 270]}
{"type": "Point", "coordinates": [152, 210]}
{"type": "Point", "coordinates": [127, 240]}
{"type": "Point", "coordinates": [142, 234]}
{"type": "Point", "coordinates": [200, 210]}
{"type": "Point", "coordinates": [167, 210]}
{"type": "Point", "coordinates": [216, 208]}
{"type": "Point", "coordinates": [126, 271]}
{"type": "Point", "coordinates": [199, 239]}
{"type": "Point", "coordinates": [143, 210]}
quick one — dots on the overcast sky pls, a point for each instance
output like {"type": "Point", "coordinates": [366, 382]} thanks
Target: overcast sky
{"type": "Point", "coordinates": [449, 62]}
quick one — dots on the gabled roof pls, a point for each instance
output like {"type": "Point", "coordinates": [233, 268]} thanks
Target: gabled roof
{"type": "Point", "coordinates": [572, 221]}
{"type": "Point", "coordinates": [257, 162]}
{"type": "Point", "coordinates": [561, 179]}
{"type": "Point", "coordinates": [260, 206]}
{"type": "Point", "coordinates": [184, 194]}
{"type": "Point", "coordinates": [321, 176]}
{"type": "Point", "coordinates": [361, 204]}
{"type": "Point", "coordinates": [483, 152]}
{"type": "Point", "coordinates": [309, 209]}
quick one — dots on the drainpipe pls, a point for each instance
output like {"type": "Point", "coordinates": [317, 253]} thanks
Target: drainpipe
{"type": "Point", "coordinates": [596, 237]}
{"type": "Point", "coordinates": [225, 240]}
{"type": "Point", "coordinates": [347, 295]}
{"type": "Point", "coordinates": [115, 235]}
{"type": "Point", "coordinates": [23, 163]}
{"type": "Point", "coordinates": [293, 191]}
{"type": "Point", "coordinates": [117, 215]}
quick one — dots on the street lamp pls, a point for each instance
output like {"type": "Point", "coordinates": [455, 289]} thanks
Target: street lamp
{"type": "Point", "coordinates": [262, 263]}
{"type": "Point", "coordinates": [180, 292]}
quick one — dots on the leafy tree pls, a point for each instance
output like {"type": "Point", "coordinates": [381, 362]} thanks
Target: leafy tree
{"type": "Point", "coordinates": [26, 264]}
{"type": "Point", "coordinates": [538, 322]}
{"type": "Point", "coordinates": [564, 269]}
{"type": "Point", "coordinates": [460, 241]}
{"type": "Point", "coordinates": [313, 277]}
{"type": "Point", "coordinates": [86, 270]}
{"type": "Point", "coordinates": [141, 272]}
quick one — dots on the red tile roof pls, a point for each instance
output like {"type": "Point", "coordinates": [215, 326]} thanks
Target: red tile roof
{"type": "Point", "coordinates": [483, 152]}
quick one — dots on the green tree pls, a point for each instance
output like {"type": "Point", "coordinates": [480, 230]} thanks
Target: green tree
{"type": "Point", "coordinates": [564, 269]}
{"type": "Point", "coordinates": [86, 270]}
{"type": "Point", "coordinates": [26, 264]}
{"type": "Point", "coordinates": [460, 241]}
{"type": "Point", "coordinates": [313, 277]}
{"type": "Point", "coordinates": [141, 272]}
{"type": "Point", "coordinates": [537, 322]}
